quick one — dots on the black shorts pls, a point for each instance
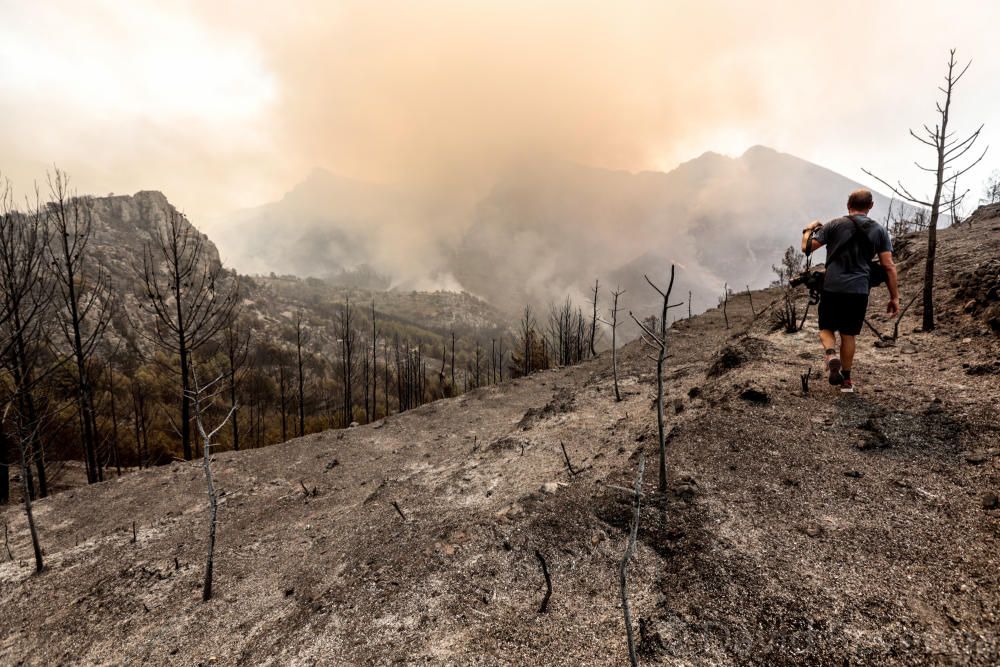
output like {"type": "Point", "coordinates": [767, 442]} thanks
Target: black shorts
{"type": "Point", "coordinates": [842, 312]}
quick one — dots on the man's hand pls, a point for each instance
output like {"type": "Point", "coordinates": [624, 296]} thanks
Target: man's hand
{"type": "Point", "coordinates": [892, 308]}
{"type": "Point", "coordinates": [812, 226]}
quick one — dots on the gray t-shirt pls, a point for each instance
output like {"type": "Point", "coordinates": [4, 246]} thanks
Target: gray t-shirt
{"type": "Point", "coordinates": [848, 272]}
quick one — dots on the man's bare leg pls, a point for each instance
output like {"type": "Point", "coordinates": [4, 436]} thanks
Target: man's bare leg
{"type": "Point", "coordinates": [833, 364]}
{"type": "Point", "coordinates": [847, 345]}
{"type": "Point", "coordinates": [847, 360]}
{"type": "Point", "coordinates": [829, 340]}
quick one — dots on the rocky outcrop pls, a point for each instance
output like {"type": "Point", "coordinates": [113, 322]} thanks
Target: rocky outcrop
{"type": "Point", "coordinates": [979, 293]}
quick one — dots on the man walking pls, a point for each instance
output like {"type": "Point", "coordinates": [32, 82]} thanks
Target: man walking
{"type": "Point", "coordinates": [851, 242]}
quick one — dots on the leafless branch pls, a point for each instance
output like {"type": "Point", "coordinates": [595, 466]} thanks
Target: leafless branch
{"type": "Point", "coordinates": [548, 582]}
{"type": "Point", "coordinates": [623, 566]}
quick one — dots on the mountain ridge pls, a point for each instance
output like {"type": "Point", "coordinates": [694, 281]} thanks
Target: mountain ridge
{"type": "Point", "coordinates": [551, 228]}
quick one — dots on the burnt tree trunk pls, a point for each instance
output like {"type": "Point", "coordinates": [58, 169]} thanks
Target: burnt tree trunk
{"type": "Point", "coordinates": [5, 461]}
{"type": "Point", "coordinates": [28, 511]}
{"type": "Point", "coordinates": [633, 535]}
{"type": "Point", "coordinates": [301, 378]}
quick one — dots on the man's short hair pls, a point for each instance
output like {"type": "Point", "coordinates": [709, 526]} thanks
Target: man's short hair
{"type": "Point", "coordinates": [860, 200]}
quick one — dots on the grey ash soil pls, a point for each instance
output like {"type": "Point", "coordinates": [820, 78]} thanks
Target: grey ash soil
{"type": "Point", "coordinates": [819, 529]}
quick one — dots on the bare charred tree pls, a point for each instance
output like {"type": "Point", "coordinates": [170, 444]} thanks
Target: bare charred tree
{"type": "Point", "coordinates": [613, 323]}
{"type": "Point", "coordinates": [527, 335]}
{"type": "Point", "coordinates": [26, 295]}
{"type": "Point", "coordinates": [83, 298]}
{"type": "Point", "coordinates": [260, 391]}
{"type": "Point", "coordinates": [237, 343]}
{"type": "Point", "coordinates": [787, 316]}
{"type": "Point", "coordinates": [201, 398]}
{"type": "Point", "coordinates": [399, 374]}
{"type": "Point", "coordinates": [25, 299]}
{"type": "Point", "coordinates": [895, 327]}
{"type": "Point", "coordinates": [899, 318]}
{"type": "Point", "coordinates": [689, 304]}
{"type": "Point", "coordinates": [23, 444]}
{"type": "Point", "coordinates": [9, 460]}
{"type": "Point", "coordinates": [410, 372]}
{"type": "Point", "coordinates": [140, 420]}
{"type": "Point", "coordinates": [558, 331]}
{"type": "Point", "coordinates": [366, 381]}
{"type": "Point", "coordinates": [991, 189]}
{"type": "Point", "coordinates": [890, 219]}
{"type": "Point", "coordinates": [6, 452]}
{"type": "Point", "coordinates": [593, 322]}
{"type": "Point", "coordinates": [374, 414]}
{"type": "Point", "coordinates": [6, 459]}
{"type": "Point", "coordinates": [948, 150]}
{"type": "Point", "coordinates": [955, 204]}
{"type": "Point", "coordinates": [410, 376]}
{"type": "Point", "coordinates": [406, 369]}
{"type": "Point", "coordinates": [633, 535]}
{"type": "Point", "coordinates": [190, 297]}
{"type": "Point", "coordinates": [419, 376]}
{"type": "Point", "coordinates": [753, 311]}
{"type": "Point", "coordinates": [657, 340]}
{"type": "Point", "coordinates": [443, 390]}
{"type": "Point", "coordinates": [567, 334]}
{"type": "Point", "coordinates": [113, 405]}
{"type": "Point", "coordinates": [478, 358]}
{"type": "Point", "coordinates": [454, 387]}
{"type": "Point", "coordinates": [301, 376]}
{"type": "Point", "coordinates": [423, 382]}
{"type": "Point", "coordinates": [895, 221]}
{"type": "Point", "coordinates": [283, 401]}
{"type": "Point", "coordinates": [385, 384]}
{"type": "Point", "coordinates": [28, 511]}
{"type": "Point", "coordinates": [725, 302]}
{"type": "Point", "coordinates": [493, 361]}
{"type": "Point", "coordinates": [791, 265]}
{"type": "Point", "coordinates": [500, 359]}
{"type": "Point", "coordinates": [6, 541]}
{"type": "Point", "coordinates": [348, 350]}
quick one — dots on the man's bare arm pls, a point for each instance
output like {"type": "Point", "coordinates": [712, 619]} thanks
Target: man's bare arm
{"type": "Point", "coordinates": [891, 281]}
{"type": "Point", "coordinates": [806, 233]}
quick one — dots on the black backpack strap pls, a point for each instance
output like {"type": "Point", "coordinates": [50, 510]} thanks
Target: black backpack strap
{"type": "Point", "coordinates": [858, 232]}
{"type": "Point", "coordinates": [861, 233]}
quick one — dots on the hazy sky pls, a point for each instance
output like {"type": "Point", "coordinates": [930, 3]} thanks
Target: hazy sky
{"type": "Point", "coordinates": [223, 106]}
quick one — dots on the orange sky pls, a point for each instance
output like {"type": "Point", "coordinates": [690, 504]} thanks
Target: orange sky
{"type": "Point", "coordinates": [222, 108]}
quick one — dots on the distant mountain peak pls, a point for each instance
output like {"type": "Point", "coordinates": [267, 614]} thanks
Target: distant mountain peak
{"type": "Point", "coordinates": [759, 149]}
{"type": "Point", "coordinates": [150, 195]}
{"type": "Point", "coordinates": [320, 174]}
{"type": "Point", "coordinates": [321, 178]}
{"type": "Point", "coordinates": [709, 156]}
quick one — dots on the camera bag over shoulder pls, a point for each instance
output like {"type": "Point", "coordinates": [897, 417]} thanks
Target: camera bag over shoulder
{"type": "Point", "coordinates": [876, 274]}
{"type": "Point", "coordinates": [813, 277]}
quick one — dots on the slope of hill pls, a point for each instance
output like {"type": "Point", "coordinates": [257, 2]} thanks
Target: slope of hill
{"type": "Point", "coordinates": [135, 379]}
{"type": "Point", "coordinates": [819, 528]}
